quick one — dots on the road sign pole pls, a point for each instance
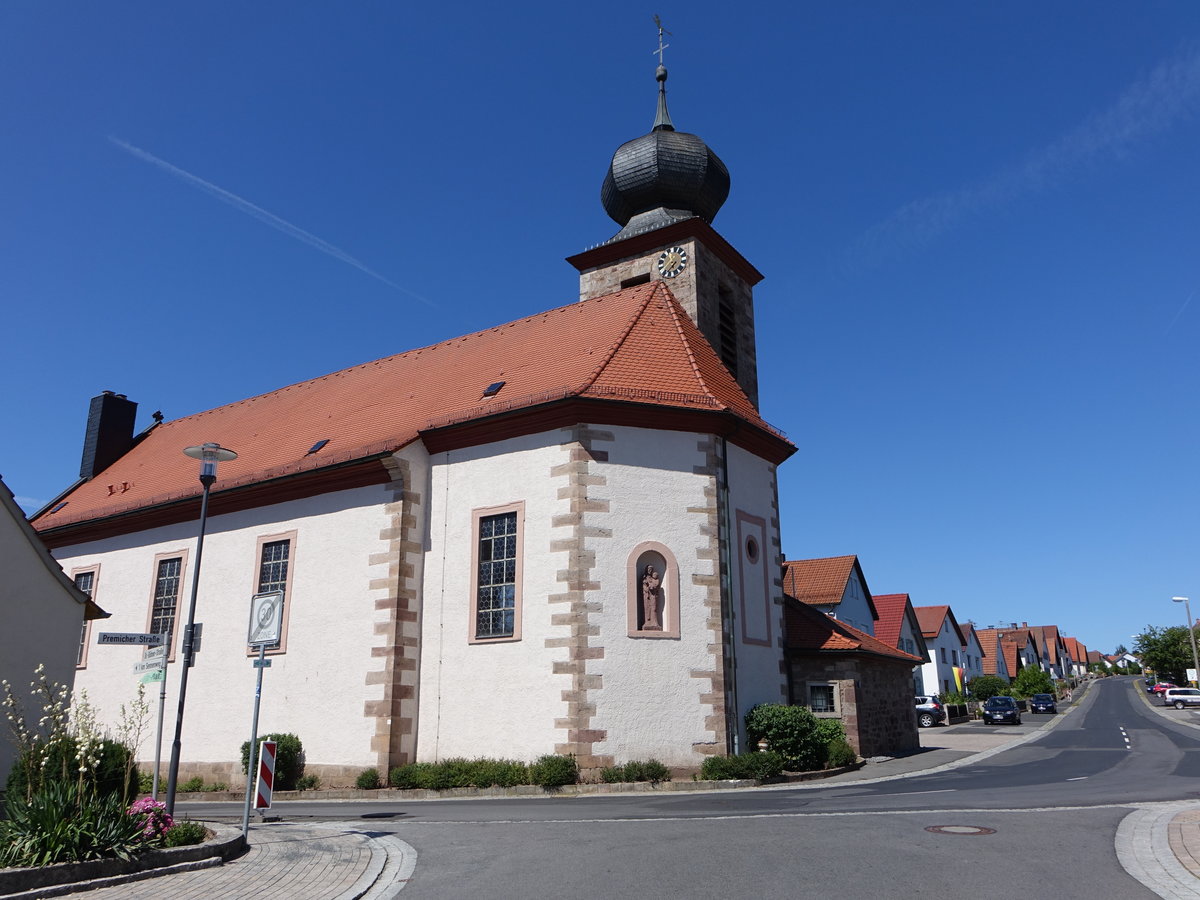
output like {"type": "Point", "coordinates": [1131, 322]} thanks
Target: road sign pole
{"type": "Point", "coordinates": [251, 767]}
{"type": "Point", "coordinates": [162, 705]}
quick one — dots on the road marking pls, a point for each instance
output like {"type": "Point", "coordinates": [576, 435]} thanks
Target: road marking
{"type": "Point", "coordinates": [910, 793]}
{"type": "Point", "coordinates": [1077, 778]}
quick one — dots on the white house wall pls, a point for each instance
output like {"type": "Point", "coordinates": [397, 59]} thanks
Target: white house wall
{"type": "Point", "coordinates": [315, 689]}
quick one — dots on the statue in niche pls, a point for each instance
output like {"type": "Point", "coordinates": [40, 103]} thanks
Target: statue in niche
{"type": "Point", "coordinates": [651, 593]}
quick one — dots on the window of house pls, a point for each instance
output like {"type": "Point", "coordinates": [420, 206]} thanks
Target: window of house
{"type": "Point", "coordinates": [954, 655]}
{"type": "Point", "coordinates": [820, 698]}
{"type": "Point", "coordinates": [496, 592]}
{"type": "Point", "coordinates": [164, 606]}
{"type": "Point", "coordinates": [943, 654]}
{"type": "Point", "coordinates": [276, 558]}
{"type": "Point", "coordinates": [86, 582]}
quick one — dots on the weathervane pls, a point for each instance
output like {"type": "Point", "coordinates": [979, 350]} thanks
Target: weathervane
{"type": "Point", "coordinates": [661, 45]}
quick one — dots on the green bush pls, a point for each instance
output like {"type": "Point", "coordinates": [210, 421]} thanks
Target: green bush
{"type": "Point", "coordinates": [554, 771]}
{"type": "Point", "coordinates": [184, 834]}
{"type": "Point", "coordinates": [145, 782]}
{"type": "Point", "coordinates": [192, 785]}
{"type": "Point", "coordinates": [367, 780]}
{"type": "Point", "coordinates": [984, 686]}
{"type": "Point", "coordinates": [792, 731]}
{"type": "Point", "coordinates": [113, 774]}
{"type": "Point", "coordinates": [636, 770]}
{"type": "Point", "coordinates": [215, 787]}
{"type": "Point", "coordinates": [289, 759]}
{"type": "Point", "coordinates": [308, 783]}
{"type": "Point", "coordinates": [840, 754]}
{"type": "Point", "coordinates": [759, 765]}
{"type": "Point", "coordinates": [498, 773]}
{"type": "Point", "coordinates": [63, 822]}
{"type": "Point", "coordinates": [1030, 681]}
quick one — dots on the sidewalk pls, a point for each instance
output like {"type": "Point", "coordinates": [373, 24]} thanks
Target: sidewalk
{"type": "Point", "coordinates": [1158, 844]}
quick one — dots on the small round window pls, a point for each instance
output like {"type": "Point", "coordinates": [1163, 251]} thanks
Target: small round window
{"type": "Point", "coordinates": [752, 549]}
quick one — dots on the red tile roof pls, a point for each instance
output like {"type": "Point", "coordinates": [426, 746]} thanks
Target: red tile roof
{"type": "Point", "coordinates": [810, 630]}
{"type": "Point", "coordinates": [1012, 656]}
{"type": "Point", "coordinates": [890, 623]}
{"type": "Point", "coordinates": [931, 618]}
{"type": "Point", "coordinates": [636, 349]}
{"type": "Point", "coordinates": [990, 641]}
{"type": "Point", "coordinates": [822, 582]}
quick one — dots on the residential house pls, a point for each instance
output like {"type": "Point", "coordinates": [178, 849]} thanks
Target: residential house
{"type": "Point", "coordinates": [897, 626]}
{"type": "Point", "coordinates": [45, 615]}
{"type": "Point", "coordinates": [972, 654]}
{"type": "Point", "coordinates": [834, 585]}
{"type": "Point", "coordinates": [999, 657]}
{"type": "Point", "coordinates": [841, 672]}
{"type": "Point", "coordinates": [1079, 656]}
{"type": "Point", "coordinates": [945, 641]}
{"type": "Point", "coordinates": [1053, 649]}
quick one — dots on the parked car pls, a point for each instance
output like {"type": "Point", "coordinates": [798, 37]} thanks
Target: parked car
{"type": "Point", "coordinates": [1180, 697]}
{"type": "Point", "coordinates": [929, 711]}
{"type": "Point", "coordinates": [1042, 703]}
{"type": "Point", "coordinates": [1157, 689]}
{"type": "Point", "coordinates": [997, 710]}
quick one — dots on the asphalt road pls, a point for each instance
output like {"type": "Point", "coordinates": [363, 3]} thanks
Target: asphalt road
{"type": "Point", "coordinates": [1040, 817]}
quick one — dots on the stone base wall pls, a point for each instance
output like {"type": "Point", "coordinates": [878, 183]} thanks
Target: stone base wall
{"type": "Point", "coordinates": [874, 700]}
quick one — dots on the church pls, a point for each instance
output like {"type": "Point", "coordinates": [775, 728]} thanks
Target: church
{"type": "Point", "coordinates": [557, 535]}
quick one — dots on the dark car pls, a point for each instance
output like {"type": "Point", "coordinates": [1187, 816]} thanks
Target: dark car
{"type": "Point", "coordinates": [1042, 703]}
{"type": "Point", "coordinates": [929, 711]}
{"type": "Point", "coordinates": [998, 710]}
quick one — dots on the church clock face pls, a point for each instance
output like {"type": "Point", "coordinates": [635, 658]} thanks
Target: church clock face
{"type": "Point", "coordinates": [671, 262]}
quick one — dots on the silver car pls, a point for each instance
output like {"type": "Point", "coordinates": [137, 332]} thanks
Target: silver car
{"type": "Point", "coordinates": [1181, 697]}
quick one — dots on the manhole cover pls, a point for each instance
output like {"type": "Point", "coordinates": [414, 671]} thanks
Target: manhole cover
{"type": "Point", "coordinates": [960, 829]}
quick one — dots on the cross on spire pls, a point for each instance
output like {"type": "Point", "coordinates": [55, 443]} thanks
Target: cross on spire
{"type": "Point", "coordinates": [661, 45]}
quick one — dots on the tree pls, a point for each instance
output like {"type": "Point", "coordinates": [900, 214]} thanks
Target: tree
{"type": "Point", "coordinates": [984, 686]}
{"type": "Point", "coordinates": [1166, 651]}
{"type": "Point", "coordinates": [1120, 651]}
{"type": "Point", "coordinates": [1032, 680]}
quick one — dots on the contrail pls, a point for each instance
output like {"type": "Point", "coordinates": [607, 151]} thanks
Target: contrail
{"type": "Point", "coordinates": [263, 216]}
{"type": "Point", "coordinates": [1149, 106]}
{"type": "Point", "coordinates": [1180, 313]}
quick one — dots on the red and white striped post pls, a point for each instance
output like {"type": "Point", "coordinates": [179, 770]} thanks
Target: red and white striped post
{"type": "Point", "coordinates": [266, 775]}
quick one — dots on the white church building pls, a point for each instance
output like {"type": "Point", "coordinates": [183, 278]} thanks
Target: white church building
{"type": "Point", "coordinates": [557, 535]}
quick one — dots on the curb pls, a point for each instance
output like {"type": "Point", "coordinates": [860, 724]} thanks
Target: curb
{"type": "Point", "coordinates": [67, 878]}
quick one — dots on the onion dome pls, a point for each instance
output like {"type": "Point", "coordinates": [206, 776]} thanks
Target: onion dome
{"type": "Point", "coordinates": [663, 177]}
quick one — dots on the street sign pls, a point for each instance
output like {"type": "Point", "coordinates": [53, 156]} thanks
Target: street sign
{"type": "Point", "coordinates": [149, 665]}
{"type": "Point", "coordinates": [266, 619]}
{"type": "Point", "coordinates": [153, 677]}
{"type": "Point", "coordinates": [262, 664]}
{"type": "Point", "coordinates": [131, 637]}
{"type": "Point", "coordinates": [155, 652]}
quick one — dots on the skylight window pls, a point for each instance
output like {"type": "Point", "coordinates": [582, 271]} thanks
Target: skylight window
{"type": "Point", "coordinates": [494, 388]}
{"type": "Point", "coordinates": [57, 508]}
{"type": "Point", "coordinates": [317, 446]}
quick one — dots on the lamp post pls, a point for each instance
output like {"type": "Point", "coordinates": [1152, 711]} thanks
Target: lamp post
{"type": "Point", "coordinates": [1187, 607]}
{"type": "Point", "coordinates": [209, 455]}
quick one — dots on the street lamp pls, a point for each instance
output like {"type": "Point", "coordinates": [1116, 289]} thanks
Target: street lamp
{"type": "Point", "coordinates": [209, 455]}
{"type": "Point", "coordinates": [1191, 634]}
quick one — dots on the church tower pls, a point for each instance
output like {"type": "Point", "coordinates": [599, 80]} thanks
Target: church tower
{"type": "Point", "coordinates": [664, 189]}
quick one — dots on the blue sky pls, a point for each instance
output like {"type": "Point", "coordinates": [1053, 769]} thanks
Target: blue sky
{"type": "Point", "coordinates": [978, 225]}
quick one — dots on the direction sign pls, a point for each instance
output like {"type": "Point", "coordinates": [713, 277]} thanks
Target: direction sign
{"type": "Point", "coordinates": [149, 665]}
{"type": "Point", "coordinates": [151, 677]}
{"type": "Point", "coordinates": [155, 652]}
{"type": "Point", "coordinates": [130, 637]}
{"type": "Point", "coordinates": [262, 664]}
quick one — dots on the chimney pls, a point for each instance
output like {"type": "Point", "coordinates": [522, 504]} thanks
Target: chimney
{"type": "Point", "coordinates": [109, 432]}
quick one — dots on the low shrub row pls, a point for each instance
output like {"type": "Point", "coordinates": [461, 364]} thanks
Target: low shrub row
{"type": "Point", "coordinates": [636, 770]}
{"type": "Point", "coordinates": [548, 771]}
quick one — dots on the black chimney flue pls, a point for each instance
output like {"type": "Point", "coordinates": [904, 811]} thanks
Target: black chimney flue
{"type": "Point", "coordinates": [109, 432]}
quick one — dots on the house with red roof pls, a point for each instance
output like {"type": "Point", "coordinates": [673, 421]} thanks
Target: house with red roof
{"type": "Point", "coordinates": [834, 585]}
{"type": "Point", "coordinates": [945, 641]}
{"type": "Point", "coordinates": [1078, 653]}
{"type": "Point", "coordinates": [898, 626]}
{"type": "Point", "coordinates": [838, 671]}
{"type": "Point", "coordinates": [1055, 656]}
{"type": "Point", "coordinates": [559, 534]}
{"type": "Point", "coordinates": [972, 653]}
{"type": "Point", "coordinates": [999, 656]}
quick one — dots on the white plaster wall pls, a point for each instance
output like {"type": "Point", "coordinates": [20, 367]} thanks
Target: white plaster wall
{"type": "Point", "coordinates": [316, 689]}
{"type": "Point", "coordinates": [854, 609]}
{"type": "Point", "coordinates": [759, 679]}
{"type": "Point", "coordinates": [933, 673]}
{"type": "Point", "coordinates": [40, 622]}
{"type": "Point", "coordinates": [495, 699]}
{"type": "Point", "coordinates": [650, 703]}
